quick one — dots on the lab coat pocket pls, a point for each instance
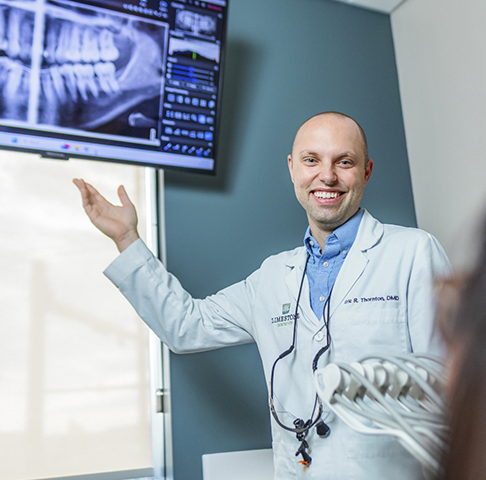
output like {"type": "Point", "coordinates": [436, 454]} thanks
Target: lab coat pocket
{"type": "Point", "coordinates": [366, 331]}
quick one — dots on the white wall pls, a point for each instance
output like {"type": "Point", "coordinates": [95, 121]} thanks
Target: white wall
{"type": "Point", "coordinates": [441, 59]}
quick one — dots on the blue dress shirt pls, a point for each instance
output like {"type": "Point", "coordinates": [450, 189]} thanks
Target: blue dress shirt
{"type": "Point", "coordinates": [323, 268]}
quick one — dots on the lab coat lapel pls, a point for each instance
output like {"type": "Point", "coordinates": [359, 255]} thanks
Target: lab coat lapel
{"type": "Point", "coordinates": [369, 233]}
{"type": "Point", "coordinates": [293, 281]}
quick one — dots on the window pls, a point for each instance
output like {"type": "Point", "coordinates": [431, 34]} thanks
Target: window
{"type": "Point", "coordinates": [74, 356]}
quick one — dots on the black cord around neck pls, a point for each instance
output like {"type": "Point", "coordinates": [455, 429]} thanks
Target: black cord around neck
{"type": "Point", "coordinates": [300, 427]}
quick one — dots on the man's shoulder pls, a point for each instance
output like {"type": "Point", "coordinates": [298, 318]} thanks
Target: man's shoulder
{"type": "Point", "coordinates": [278, 266]}
{"type": "Point", "coordinates": [399, 233]}
{"type": "Point", "coordinates": [410, 238]}
{"type": "Point", "coordinates": [290, 258]}
{"type": "Point", "coordinates": [409, 245]}
{"type": "Point", "coordinates": [409, 233]}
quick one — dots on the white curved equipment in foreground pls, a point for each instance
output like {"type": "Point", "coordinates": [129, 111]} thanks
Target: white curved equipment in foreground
{"type": "Point", "coordinates": [401, 396]}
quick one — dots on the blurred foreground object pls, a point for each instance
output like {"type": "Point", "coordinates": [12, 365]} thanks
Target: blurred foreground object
{"type": "Point", "coordinates": [401, 396]}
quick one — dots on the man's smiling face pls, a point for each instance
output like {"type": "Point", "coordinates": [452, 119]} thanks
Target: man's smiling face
{"type": "Point", "coordinates": [329, 171]}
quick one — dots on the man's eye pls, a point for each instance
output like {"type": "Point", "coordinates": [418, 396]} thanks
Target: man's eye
{"type": "Point", "coordinates": [345, 162]}
{"type": "Point", "coordinates": [309, 160]}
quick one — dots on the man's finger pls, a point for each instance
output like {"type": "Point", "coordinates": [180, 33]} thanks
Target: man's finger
{"type": "Point", "coordinates": [95, 198]}
{"type": "Point", "coordinates": [81, 184]}
{"type": "Point", "coordinates": [123, 196]}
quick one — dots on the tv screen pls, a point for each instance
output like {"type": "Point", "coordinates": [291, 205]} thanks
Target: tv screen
{"type": "Point", "coordinates": [133, 82]}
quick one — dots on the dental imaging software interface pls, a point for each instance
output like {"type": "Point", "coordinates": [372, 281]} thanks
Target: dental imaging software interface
{"type": "Point", "coordinates": [111, 80]}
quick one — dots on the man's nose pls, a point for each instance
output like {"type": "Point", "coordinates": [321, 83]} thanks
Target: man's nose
{"type": "Point", "coordinates": [327, 173]}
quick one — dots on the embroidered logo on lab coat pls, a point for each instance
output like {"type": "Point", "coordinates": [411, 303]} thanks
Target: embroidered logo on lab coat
{"type": "Point", "coordinates": [286, 318]}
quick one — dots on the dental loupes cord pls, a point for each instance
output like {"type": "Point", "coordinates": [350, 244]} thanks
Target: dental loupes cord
{"type": "Point", "coordinates": [400, 396]}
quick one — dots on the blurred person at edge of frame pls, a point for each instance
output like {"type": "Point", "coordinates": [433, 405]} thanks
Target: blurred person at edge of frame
{"type": "Point", "coordinates": [461, 315]}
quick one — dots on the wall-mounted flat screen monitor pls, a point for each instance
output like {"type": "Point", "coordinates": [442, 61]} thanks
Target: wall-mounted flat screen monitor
{"type": "Point", "coordinates": [135, 82]}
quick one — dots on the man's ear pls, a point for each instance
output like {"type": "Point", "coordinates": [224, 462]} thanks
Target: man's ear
{"type": "Point", "coordinates": [368, 170]}
{"type": "Point", "coordinates": [289, 160]}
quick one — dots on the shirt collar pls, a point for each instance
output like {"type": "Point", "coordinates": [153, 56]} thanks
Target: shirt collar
{"type": "Point", "coordinates": [344, 235]}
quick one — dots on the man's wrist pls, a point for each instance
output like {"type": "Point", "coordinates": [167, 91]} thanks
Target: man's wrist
{"type": "Point", "coordinates": [124, 242]}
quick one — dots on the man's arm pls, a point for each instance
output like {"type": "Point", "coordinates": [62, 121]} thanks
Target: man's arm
{"type": "Point", "coordinates": [117, 222]}
{"type": "Point", "coordinates": [430, 264]}
{"type": "Point", "coordinates": [183, 323]}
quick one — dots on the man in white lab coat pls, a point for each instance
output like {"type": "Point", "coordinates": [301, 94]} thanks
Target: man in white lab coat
{"type": "Point", "coordinates": [356, 287]}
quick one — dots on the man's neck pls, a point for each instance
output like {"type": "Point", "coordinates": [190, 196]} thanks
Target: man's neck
{"type": "Point", "coordinates": [320, 237]}
{"type": "Point", "coordinates": [321, 234]}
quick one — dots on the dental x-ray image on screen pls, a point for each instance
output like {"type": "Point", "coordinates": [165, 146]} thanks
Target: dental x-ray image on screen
{"type": "Point", "coordinates": [16, 36]}
{"type": "Point", "coordinates": [195, 23]}
{"type": "Point", "coordinates": [132, 82]}
{"type": "Point", "coordinates": [98, 69]}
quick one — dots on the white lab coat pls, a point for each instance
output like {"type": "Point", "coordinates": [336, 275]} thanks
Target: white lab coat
{"type": "Point", "coordinates": [382, 302]}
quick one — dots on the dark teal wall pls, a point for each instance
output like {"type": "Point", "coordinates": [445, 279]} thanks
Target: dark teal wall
{"type": "Point", "coordinates": [286, 60]}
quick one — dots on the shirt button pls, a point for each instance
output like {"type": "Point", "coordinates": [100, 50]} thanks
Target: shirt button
{"type": "Point", "coordinates": [345, 252]}
{"type": "Point", "coordinates": [319, 336]}
{"type": "Point", "coordinates": [321, 298]}
{"type": "Point", "coordinates": [311, 243]}
{"type": "Point", "coordinates": [326, 264]}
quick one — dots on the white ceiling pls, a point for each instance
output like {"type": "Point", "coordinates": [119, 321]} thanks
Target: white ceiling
{"type": "Point", "coordinates": [385, 6]}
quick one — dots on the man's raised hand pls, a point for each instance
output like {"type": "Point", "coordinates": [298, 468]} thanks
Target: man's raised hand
{"type": "Point", "coordinates": [117, 222]}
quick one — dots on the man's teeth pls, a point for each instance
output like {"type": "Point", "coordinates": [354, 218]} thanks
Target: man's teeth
{"type": "Point", "coordinates": [327, 194]}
